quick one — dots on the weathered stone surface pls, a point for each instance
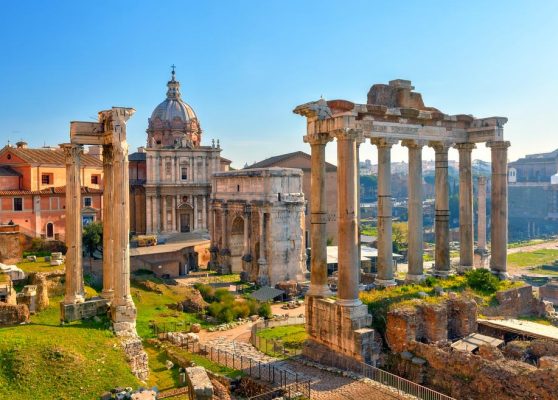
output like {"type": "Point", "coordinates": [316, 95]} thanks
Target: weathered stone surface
{"type": "Point", "coordinates": [490, 353]}
{"type": "Point", "coordinates": [40, 281]}
{"type": "Point", "coordinates": [195, 302]}
{"type": "Point", "coordinates": [199, 383]}
{"type": "Point", "coordinates": [87, 309]}
{"type": "Point", "coordinates": [434, 321]}
{"type": "Point", "coordinates": [513, 303]}
{"type": "Point", "coordinates": [549, 292]}
{"type": "Point", "coordinates": [136, 357]}
{"type": "Point", "coordinates": [28, 296]}
{"type": "Point", "coordinates": [401, 328]}
{"type": "Point", "coordinates": [11, 314]}
{"type": "Point", "coordinates": [548, 362]}
{"type": "Point", "coordinates": [462, 316]}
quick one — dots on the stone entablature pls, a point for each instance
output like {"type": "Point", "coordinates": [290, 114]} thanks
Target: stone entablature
{"type": "Point", "coordinates": [257, 224]}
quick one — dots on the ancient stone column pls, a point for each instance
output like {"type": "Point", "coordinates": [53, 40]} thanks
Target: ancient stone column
{"type": "Point", "coordinates": [74, 258]}
{"type": "Point", "coordinates": [481, 213]}
{"type": "Point", "coordinates": [263, 275]}
{"type": "Point", "coordinates": [123, 311]}
{"type": "Point", "coordinates": [204, 211]}
{"type": "Point", "coordinates": [348, 263]}
{"type": "Point", "coordinates": [224, 227]}
{"type": "Point", "coordinates": [416, 243]}
{"type": "Point", "coordinates": [164, 221]}
{"type": "Point", "coordinates": [499, 208]}
{"type": "Point", "coordinates": [108, 221]}
{"type": "Point", "coordinates": [385, 275]}
{"type": "Point", "coordinates": [442, 253]}
{"type": "Point", "coordinates": [318, 215]}
{"type": "Point", "coordinates": [246, 238]}
{"type": "Point", "coordinates": [466, 247]}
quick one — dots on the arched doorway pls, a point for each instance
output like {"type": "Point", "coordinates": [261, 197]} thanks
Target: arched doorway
{"type": "Point", "coordinates": [50, 230]}
{"type": "Point", "coordinates": [185, 218]}
{"type": "Point", "coordinates": [236, 243]}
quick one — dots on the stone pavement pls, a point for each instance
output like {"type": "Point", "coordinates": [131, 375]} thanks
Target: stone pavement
{"type": "Point", "coordinates": [325, 385]}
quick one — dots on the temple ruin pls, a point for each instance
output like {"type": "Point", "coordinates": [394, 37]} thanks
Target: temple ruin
{"type": "Point", "coordinates": [393, 114]}
{"type": "Point", "coordinates": [109, 132]}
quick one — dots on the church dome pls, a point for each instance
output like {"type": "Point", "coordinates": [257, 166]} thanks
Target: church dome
{"type": "Point", "coordinates": [173, 106]}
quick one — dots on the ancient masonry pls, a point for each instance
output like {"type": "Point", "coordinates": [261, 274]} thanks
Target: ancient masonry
{"type": "Point", "coordinates": [393, 113]}
{"type": "Point", "coordinates": [257, 220]}
{"type": "Point", "coordinates": [110, 132]}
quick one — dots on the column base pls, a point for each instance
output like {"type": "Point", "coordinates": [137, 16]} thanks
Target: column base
{"type": "Point", "coordinates": [414, 278]}
{"type": "Point", "coordinates": [441, 273]}
{"type": "Point", "coordinates": [348, 302]}
{"type": "Point", "coordinates": [385, 282]}
{"type": "Point", "coordinates": [124, 319]}
{"type": "Point", "coordinates": [319, 291]}
{"type": "Point", "coordinates": [502, 275]}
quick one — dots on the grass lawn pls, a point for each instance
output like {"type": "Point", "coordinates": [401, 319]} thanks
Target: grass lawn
{"type": "Point", "coordinates": [43, 360]}
{"type": "Point", "coordinates": [207, 363]}
{"type": "Point", "coordinates": [159, 375]}
{"type": "Point", "coordinates": [39, 266]}
{"type": "Point", "coordinates": [532, 258]}
{"type": "Point", "coordinates": [290, 337]}
{"type": "Point", "coordinates": [154, 306]}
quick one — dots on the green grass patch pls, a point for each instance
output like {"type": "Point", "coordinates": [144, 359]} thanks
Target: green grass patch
{"type": "Point", "coordinates": [532, 258]}
{"type": "Point", "coordinates": [282, 341]}
{"type": "Point", "coordinates": [514, 245]}
{"type": "Point", "coordinates": [207, 363]}
{"type": "Point", "coordinates": [159, 375]}
{"type": "Point", "coordinates": [153, 306]}
{"type": "Point", "coordinates": [38, 266]}
{"type": "Point", "coordinates": [43, 360]}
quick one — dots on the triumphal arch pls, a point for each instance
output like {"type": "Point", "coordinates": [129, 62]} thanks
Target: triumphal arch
{"type": "Point", "coordinates": [393, 113]}
{"type": "Point", "coordinates": [110, 133]}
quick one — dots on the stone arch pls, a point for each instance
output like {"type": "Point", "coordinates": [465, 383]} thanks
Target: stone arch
{"type": "Point", "coordinates": [236, 242]}
{"type": "Point", "coordinates": [185, 216]}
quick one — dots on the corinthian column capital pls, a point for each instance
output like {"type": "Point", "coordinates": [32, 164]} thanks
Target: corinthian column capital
{"type": "Point", "coordinates": [440, 147]}
{"type": "Point", "coordinates": [465, 146]}
{"type": "Point", "coordinates": [347, 134]}
{"type": "Point", "coordinates": [384, 142]}
{"type": "Point", "coordinates": [318, 139]}
{"type": "Point", "coordinates": [414, 143]}
{"type": "Point", "coordinates": [72, 152]}
{"type": "Point", "coordinates": [498, 145]}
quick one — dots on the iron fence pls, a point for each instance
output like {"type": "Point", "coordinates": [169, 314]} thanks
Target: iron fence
{"type": "Point", "coordinates": [293, 392]}
{"type": "Point", "coordinates": [266, 371]}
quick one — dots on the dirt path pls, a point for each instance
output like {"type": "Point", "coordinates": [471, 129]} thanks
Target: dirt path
{"type": "Point", "coordinates": [539, 246]}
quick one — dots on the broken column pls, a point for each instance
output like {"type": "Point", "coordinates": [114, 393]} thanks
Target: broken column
{"type": "Point", "coordinates": [499, 208]}
{"type": "Point", "coordinates": [75, 292]}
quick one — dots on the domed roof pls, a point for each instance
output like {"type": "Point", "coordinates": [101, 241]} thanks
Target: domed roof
{"type": "Point", "coordinates": [173, 106]}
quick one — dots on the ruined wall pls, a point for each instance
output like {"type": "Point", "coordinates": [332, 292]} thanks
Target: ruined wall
{"type": "Point", "coordinates": [513, 303]}
{"type": "Point", "coordinates": [11, 314]}
{"type": "Point", "coordinates": [464, 375]}
{"type": "Point", "coordinates": [10, 248]}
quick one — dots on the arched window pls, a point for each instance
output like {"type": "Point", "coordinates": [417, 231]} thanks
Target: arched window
{"type": "Point", "coordinates": [50, 230]}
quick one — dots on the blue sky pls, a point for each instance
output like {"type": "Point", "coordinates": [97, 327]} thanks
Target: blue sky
{"type": "Point", "coordinates": [244, 65]}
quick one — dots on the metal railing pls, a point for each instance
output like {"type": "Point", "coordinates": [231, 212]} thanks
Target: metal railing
{"type": "Point", "coordinates": [266, 371]}
{"type": "Point", "coordinates": [276, 347]}
{"type": "Point", "coordinates": [292, 391]}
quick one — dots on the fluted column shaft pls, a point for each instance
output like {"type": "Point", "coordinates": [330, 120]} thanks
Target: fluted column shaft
{"type": "Point", "coordinates": [74, 270]}
{"type": "Point", "coordinates": [385, 275]}
{"type": "Point", "coordinates": [108, 220]}
{"type": "Point", "coordinates": [416, 242]}
{"type": "Point", "coordinates": [442, 252]}
{"type": "Point", "coordinates": [499, 208]}
{"type": "Point", "coordinates": [318, 216]}
{"type": "Point", "coordinates": [466, 248]}
{"type": "Point", "coordinates": [348, 263]}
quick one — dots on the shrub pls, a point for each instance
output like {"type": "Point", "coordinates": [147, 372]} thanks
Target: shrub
{"type": "Point", "coordinates": [241, 310]}
{"type": "Point", "coordinates": [226, 315]}
{"type": "Point", "coordinates": [207, 292]}
{"type": "Point", "coordinates": [482, 280]}
{"type": "Point", "coordinates": [265, 310]}
{"type": "Point", "coordinates": [223, 295]}
{"type": "Point", "coordinates": [430, 281]}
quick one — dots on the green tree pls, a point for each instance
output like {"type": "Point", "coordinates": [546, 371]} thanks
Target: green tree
{"type": "Point", "coordinates": [92, 240]}
{"type": "Point", "coordinates": [400, 235]}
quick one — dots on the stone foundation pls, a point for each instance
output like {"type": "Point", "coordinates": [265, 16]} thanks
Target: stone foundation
{"type": "Point", "coordinates": [513, 303]}
{"type": "Point", "coordinates": [124, 319]}
{"type": "Point", "coordinates": [199, 383]}
{"type": "Point", "coordinates": [87, 309]}
{"type": "Point", "coordinates": [339, 329]}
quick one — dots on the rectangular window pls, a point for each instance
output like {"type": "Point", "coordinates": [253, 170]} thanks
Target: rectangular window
{"type": "Point", "coordinates": [45, 179]}
{"type": "Point", "coordinates": [184, 173]}
{"type": "Point", "coordinates": [94, 179]}
{"type": "Point", "coordinates": [87, 201]}
{"type": "Point", "coordinates": [54, 204]}
{"type": "Point", "coordinates": [18, 204]}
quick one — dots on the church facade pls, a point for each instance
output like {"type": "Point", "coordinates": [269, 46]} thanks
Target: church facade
{"type": "Point", "coordinates": [178, 169]}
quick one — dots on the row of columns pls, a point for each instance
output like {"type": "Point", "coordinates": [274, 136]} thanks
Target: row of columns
{"type": "Point", "coordinates": [157, 213]}
{"type": "Point", "coordinates": [348, 203]}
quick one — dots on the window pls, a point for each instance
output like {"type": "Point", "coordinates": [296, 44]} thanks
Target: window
{"type": "Point", "coordinates": [54, 203]}
{"type": "Point", "coordinates": [184, 173]}
{"type": "Point", "coordinates": [50, 230]}
{"type": "Point", "coordinates": [18, 204]}
{"type": "Point", "coordinates": [94, 179]}
{"type": "Point", "coordinates": [45, 179]}
{"type": "Point", "coordinates": [87, 201]}
{"type": "Point", "coordinates": [238, 188]}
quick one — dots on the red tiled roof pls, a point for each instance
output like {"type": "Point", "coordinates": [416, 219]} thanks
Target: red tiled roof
{"type": "Point", "coordinates": [50, 156]}
{"type": "Point", "coordinates": [51, 190]}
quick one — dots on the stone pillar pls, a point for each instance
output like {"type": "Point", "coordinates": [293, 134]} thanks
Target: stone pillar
{"type": "Point", "coordinates": [499, 208]}
{"type": "Point", "coordinates": [74, 270]}
{"type": "Point", "coordinates": [263, 274]}
{"type": "Point", "coordinates": [108, 221]}
{"type": "Point", "coordinates": [164, 216]}
{"type": "Point", "coordinates": [348, 262]}
{"type": "Point", "coordinates": [204, 212]}
{"type": "Point", "coordinates": [416, 243]}
{"type": "Point", "coordinates": [173, 214]}
{"type": "Point", "coordinates": [385, 276]}
{"type": "Point", "coordinates": [123, 311]}
{"type": "Point", "coordinates": [466, 248]}
{"type": "Point", "coordinates": [442, 256]}
{"type": "Point", "coordinates": [195, 221]}
{"type": "Point", "coordinates": [148, 215]}
{"type": "Point", "coordinates": [318, 215]}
